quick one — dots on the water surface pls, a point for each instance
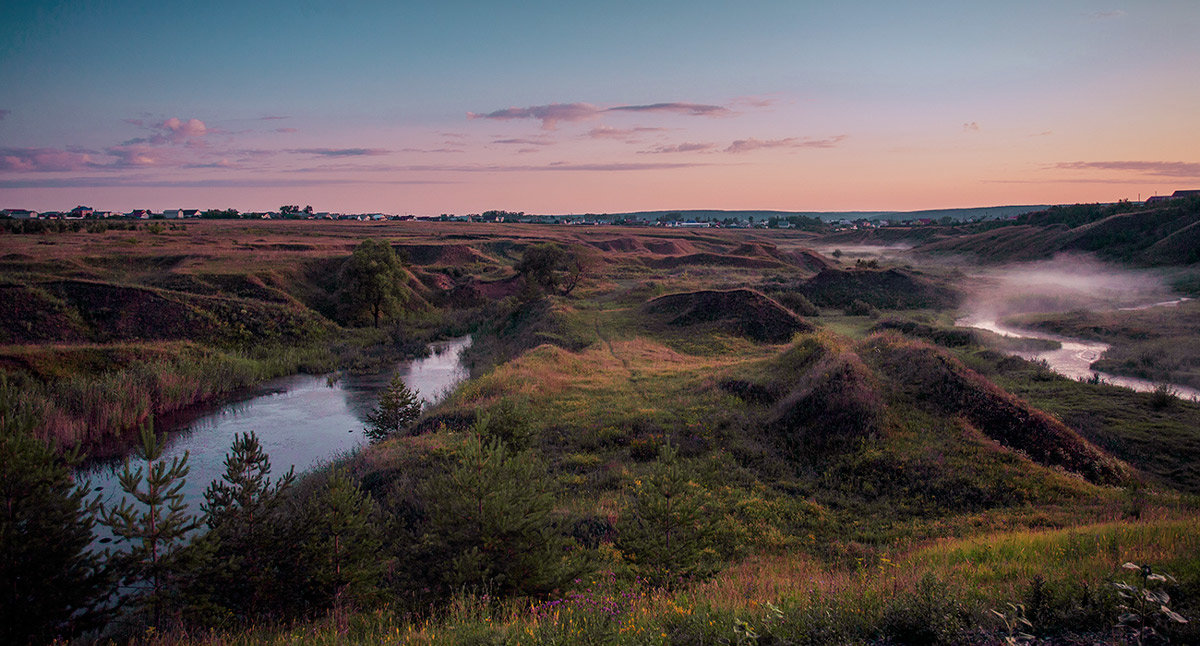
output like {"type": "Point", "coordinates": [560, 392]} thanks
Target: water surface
{"type": "Point", "coordinates": [301, 421]}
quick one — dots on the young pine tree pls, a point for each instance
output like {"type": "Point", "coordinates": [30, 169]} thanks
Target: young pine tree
{"type": "Point", "coordinates": [495, 520]}
{"type": "Point", "coordinates": [249, 537]}
{"type": "Point", "coordinates": [398, 408]}
{"type": "Point", "coordinates": [668, 531]}
{"type": "Point", "coordinates": [340, 549]}
{"type": "Point", "coordinates": [155, 528]}
{"type": "Point", "coordinates": [50, 580]}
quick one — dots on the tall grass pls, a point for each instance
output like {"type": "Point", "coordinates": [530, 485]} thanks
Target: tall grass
{"type": "Point", "coordinates": [93, 410]}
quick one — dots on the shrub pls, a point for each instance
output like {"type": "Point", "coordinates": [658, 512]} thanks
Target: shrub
{"type": "Point", "coordinates": [859, 307]}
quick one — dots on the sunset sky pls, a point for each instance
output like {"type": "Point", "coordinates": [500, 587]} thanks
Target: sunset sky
{"type": "Point", "coordinates": [560, 107]}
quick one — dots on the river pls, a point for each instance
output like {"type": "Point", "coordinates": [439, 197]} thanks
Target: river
{"type": "Point", "coordinates": [1074, 357]}
{"type": "Point", "coordinates": [302, 420]}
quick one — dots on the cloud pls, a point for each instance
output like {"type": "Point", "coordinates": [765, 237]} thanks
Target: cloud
{"type": "Point", "coordinates": [223, 163]}
{"type": "Point", "coordinates": [971, 126]}
{"type": "Point", "coordinates": [747, 145]}
{"type": "Point", "coordinates": [560, 166]}
{"type": "Point", "coordinates": [176, 130]}
{"type": "Point", "coordinates": [432, 150]}
{"type": "Point", "coordinates": [1044, 133]}
{"type": "Point", "coordinates": [240, 182]}
{"type": "Point", "coordinates": [45, 160]}
{"type": "Point", "coordinates": [755, 101]}
{"type": "Point", "coordinates": [272, 117]}
{"type": "Point", "coordinates": [340, 152]}
{"type": "Point", "coordinates": [605, 132]}
{"type": "Point", "coordinates": [286, 130]}
{"type": "Point", "coordinates": [170, 131]}
{"type": "Point", "coordinates": [524, 141]}
{"type": "Point", "coordinates": [685, 147]}
{"type": "Point", "coordinates": [552, 114]}
{"type": "Point", "coordinates": [1156, 168]}
{"type": "Point", "coordinates": [4, 114]}
{"type": "Point", "coordinates": [1106, 15]}
{"type": "Point", "coordinates": [692, 109]}
{"type": "Point", "coordinates": [137, 155]}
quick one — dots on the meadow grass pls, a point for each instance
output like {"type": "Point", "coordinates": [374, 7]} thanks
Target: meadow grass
{"type": "Point", "coordinates": [940, 593]}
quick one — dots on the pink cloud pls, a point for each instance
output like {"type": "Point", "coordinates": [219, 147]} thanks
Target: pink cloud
{"type": "Point", "coordinates": [685, 147]}
{"type": "Point", "coordinates": [286, 130]}
{"type": "Point", "coordinates": [45, 159]}
{"type": "Point", "coordinates": [177, 130]}
{"type": "Point", "coordinates": [137, 155]}
{"type": "Point", "coordinates": [747, 145]}
{"type": "Point", "coordinates": [1159, 168]}
{"type": "Point", "coordinates": [971, 126]}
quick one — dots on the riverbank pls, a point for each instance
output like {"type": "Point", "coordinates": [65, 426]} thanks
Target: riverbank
{"type": "Point", "coordinates": [301, 420]}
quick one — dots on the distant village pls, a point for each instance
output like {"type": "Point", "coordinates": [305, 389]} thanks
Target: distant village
{"type": "Point", "coordinates": [768, 220]}
{"type": "Point", "coordinates": [670, 220]}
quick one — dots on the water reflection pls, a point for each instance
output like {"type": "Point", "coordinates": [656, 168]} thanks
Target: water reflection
{"type": "Point", "coordinates": [301, 420]}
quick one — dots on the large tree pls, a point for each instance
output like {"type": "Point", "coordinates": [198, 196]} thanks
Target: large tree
{"type": "Point", "coordinates": [371, 283]}
{"type": "Point", "coordinates": [551, 267]}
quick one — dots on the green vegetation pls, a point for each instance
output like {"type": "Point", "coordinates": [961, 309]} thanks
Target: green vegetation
{"type": "Point", "coordinates": [52, 579]}
{"type": "Point", "coordinates": [371, 283]}
{"type": "Point", "coordinates": [397, 409]}
{"type": "Point", "coordinates": [655, 455]}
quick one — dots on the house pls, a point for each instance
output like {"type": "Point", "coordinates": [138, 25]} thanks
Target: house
{"type": "Point", "coordinates": [21, 214]}
{"type": "Point", "coordinates": [171, 214]}
{"type": "Point", "coordinates": [1177, 195]}
{"type": "Point", "coordinates": [189, 213]}
{"type": "Point", "coordinates": [80, 212]}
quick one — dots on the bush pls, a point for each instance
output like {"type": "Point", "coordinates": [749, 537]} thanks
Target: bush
{"type": "Point", "coordinates": [798, 303]}
{"type": "Point", "coordinates": [859, 307]}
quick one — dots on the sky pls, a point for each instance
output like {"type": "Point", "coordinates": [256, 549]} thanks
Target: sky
{"type": "Point", "coordinates": [560, 107]}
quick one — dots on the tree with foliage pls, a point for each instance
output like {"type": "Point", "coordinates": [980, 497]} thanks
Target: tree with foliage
{"type": "Point", "coordinates": [668, 533]}
{"type": "Point", "coordinates": [551, 267]}
{"type": "Point", "coordinates": [50, 580]}
{"type": "Point", "coordinates": [249, 537]}
{"type": "Point", "coordinates": [494, 517]}
{"type": "Point", "coordinates": [397, 409]}
{"type": "Point", "coordinates": [340, 549]}
{"type": "Point", "coordinates": [372, 283]}
{"type": "Point", "coordinates": [155, 528]}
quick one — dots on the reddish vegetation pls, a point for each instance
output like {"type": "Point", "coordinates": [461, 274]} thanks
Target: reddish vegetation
{"type": "Point", "coordinates": [740, 311]}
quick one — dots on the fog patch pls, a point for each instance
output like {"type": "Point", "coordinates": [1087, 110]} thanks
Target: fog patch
{"type": "Point", "coordinates": [1065, 283]}
{"type": "Point", "coordinates": [853, 251]}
